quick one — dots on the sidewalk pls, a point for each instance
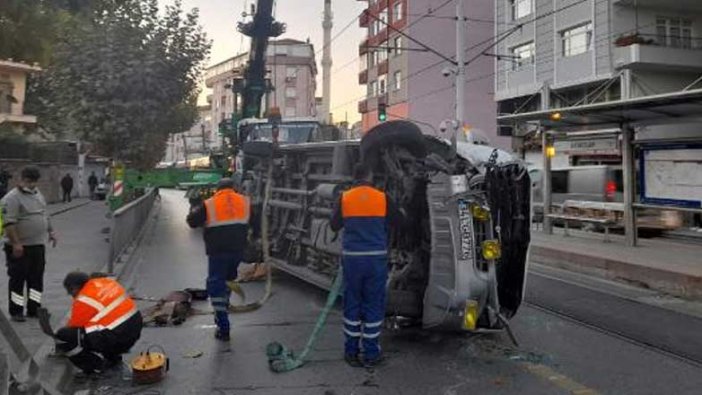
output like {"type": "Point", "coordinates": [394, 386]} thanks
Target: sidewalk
{"type": "Point", "coordinates": [81, 245]}
{"type": "Point", "coordinates": [665, 265]}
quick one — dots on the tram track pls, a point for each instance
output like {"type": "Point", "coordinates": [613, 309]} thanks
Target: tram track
{"type": "Point", "coordinates": [660, 330]}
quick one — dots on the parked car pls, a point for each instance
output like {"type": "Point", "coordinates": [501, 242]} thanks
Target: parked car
{"type": "Point", "coordinates": [599, 183]}
{"type": "Point", "coordinates": [101, 190]}
{"type": "Point", "coordinates": [602, 183]}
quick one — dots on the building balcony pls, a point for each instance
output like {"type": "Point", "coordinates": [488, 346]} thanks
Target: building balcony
{"type": "Point", "coordinates": [363, 77]}
{"type": "Point", "coordinates": [383, 67]}
{"type": "Point", "coordinates": [363, 47]}
{"type": "Point", "coordinates": [18, 118]}
{"type": "Point", "coordinates": [363, 106]}
{"type": "Point", "coordinates": [364, 19]}
{"type": "Point", "coordinates": [681, 5]}
{"type": "Point", "coordinates": [651, 56]}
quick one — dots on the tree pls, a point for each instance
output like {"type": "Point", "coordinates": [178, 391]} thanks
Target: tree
{"type": "Point", "coordinates": [125, 80]}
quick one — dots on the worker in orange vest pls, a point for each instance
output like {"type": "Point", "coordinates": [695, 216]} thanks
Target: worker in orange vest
{"type": "Point", "coordinates": [365, 213]}
{"type": "Point", "coordinates": [225, 217]}
{"type": "Point", "coordinates": [105, 323]}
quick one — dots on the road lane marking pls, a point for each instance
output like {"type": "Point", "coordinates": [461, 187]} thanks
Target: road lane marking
{"type": "Point", "coordinates": [559, 380]}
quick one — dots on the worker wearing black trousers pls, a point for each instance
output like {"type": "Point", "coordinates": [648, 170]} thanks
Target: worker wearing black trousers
{"type": "Point", "coordinates": [104, 324]}
{"type": "Point", "coordinates": [225, 217]}
{"type": "Point", "coordinates": [364, 212]}
{"type": "Point", "coordinates": [27, 228]}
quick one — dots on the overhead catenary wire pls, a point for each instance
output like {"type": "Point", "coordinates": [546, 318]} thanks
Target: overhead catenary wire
{"type": "Point", "coordinates": [422, 16]}
{"type": "Point", "coordinates": [337, 35]}
{"type": "Point", "coordinates": [496, 39]}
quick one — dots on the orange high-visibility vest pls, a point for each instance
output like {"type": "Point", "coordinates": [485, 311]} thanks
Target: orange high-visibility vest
{"type": "Point", "coordinates": [364, 210]}
{"type": "Point", "coordinates": [101, 304]}
{"type": "Point", "coordinates": [227, 207]}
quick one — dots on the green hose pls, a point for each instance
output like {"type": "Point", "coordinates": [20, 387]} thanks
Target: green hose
{"type": "Point", "coordinates": [281, 359]}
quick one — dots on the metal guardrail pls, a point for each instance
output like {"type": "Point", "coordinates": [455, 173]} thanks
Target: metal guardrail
{"type": "Point", "coordinates": [127, 222]}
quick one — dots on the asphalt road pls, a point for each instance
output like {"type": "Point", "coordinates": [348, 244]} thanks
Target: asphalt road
{"type": "Point", "coordinates": [573, 340]}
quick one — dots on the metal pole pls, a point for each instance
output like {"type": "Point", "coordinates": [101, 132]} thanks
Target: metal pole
{"type": "Point", "coordinates": [546, 183]}
{"type": "Point", "coordinates": [460, 66]}
{"type": "Point", "coordinates": [629, 185]}
{"type": "Point", "coordinates": [202, 132]}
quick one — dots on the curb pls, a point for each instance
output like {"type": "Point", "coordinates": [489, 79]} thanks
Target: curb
{"type": "Point", "coordinates": [65, 209]}
{"type": "Point", "coordinates": [671, 282]}
{"type": "Point", "coordinates": [57, 372]}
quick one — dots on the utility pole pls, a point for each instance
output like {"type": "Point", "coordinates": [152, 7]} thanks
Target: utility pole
{"type": "Point", "coordinates": [460, 64]}
{"type": "Point", "coordinates": [202, 131]}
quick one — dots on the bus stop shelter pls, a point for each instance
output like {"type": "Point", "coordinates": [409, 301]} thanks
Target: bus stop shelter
{"type": "Point", "coordinates": [626, 115]}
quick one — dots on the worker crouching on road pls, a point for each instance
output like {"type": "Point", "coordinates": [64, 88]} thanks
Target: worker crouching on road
{"type": "Point", "coordinates": [225, 217]}
{"type": "Point", "coordinates": [105, 323]}
{"type": "Point", "coordinates": [364, 212]}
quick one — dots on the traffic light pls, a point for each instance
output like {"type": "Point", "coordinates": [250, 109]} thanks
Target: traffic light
{"type": "Point", "coordinates": [382, 114]}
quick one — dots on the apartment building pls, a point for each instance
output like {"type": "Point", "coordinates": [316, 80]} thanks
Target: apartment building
{"type": "Point", "coordinates": [573, 52]}
{"type": "Point", "coordinates": [13, 86]}
{"type": "Point", "coordinates": [291, 69]}
{"type": "Point", "coordinates": [410, 80]}
{"type": "Point", "coordinates": [197, 142]}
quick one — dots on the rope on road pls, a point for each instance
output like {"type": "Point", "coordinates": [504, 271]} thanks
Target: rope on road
{"type": "Point", "coordinates": [265, 245]}
{"type": "Point", "coordinates": [280, 358]}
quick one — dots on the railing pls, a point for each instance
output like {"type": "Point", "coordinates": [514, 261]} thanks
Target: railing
{"type": "Point", "coordinates": [127, 222]}
{"type": "Point", "coordinates": [667, 41]}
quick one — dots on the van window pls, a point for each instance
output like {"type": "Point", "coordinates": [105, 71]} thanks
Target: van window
{"type": "Point", "coordinates": [559, 181]}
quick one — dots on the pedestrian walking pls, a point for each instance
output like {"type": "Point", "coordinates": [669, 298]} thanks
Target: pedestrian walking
{"type": "Point", "coordinates": [364, 213]}
{"type": "Point", "coordinates": [27, 228]}
{"type": "Point", "coordinates": [67, 186]}
{"type": "Point", "coordinates": [105, 323]}
{"type": "Point", "coordinates": [225, 217]}
{"type": "Point", "coordinates": [92, 184]}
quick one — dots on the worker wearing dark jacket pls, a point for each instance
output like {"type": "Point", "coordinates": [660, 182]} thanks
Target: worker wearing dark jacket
{"type": "Point", "coordinates": [364, 212]}
{"type": "Point", "coordinates": [105, 323]}
{"type": "Point", "coordinates": [225, 217]}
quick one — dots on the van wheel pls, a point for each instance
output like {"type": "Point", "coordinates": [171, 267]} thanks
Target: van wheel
{"type": "Point", "coordinates": [402, 134]}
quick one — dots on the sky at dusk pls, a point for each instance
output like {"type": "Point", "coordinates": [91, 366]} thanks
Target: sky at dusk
{"type": "Point", "coordinates": [304, 20]}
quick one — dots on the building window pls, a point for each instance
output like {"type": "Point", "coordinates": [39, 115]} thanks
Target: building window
{"type": "Point", "coordinates": [382, 52]}
{"type": "Point", "coordinates": [223, 101]}
{"type": "Point", "coordinates": [397, 77]}
{"type": "Point", "coordinates": [674, 32]}
{"type": "Point", "coordinates": [363, 62]}
{"type": "Point", "coordinates": [382, 84]}
{"type": "Point", "coordinates": [291, 72]}
{"type": "Point", "coordinates": [383, 16]}
{"type": "Point", "coordinates": [371, 29]}
{"type": "Point", "coordinates": [398, 45]}
{"type": "Point", "coordinates": [6, 88]}
{"type": "Point", "coordinates": [523, 55]}
{"type": "Point", "coordinates": [373, 89]}
{"type": "Point", "coordinates": [373, 58]}
{"type": "Point", "coordinates": [397, 11]}
{"type": "Point", "coordinates": [576, 40]}
{"type": "Point", "coordinates": [521, 8]}
{"type": "Point", "coordinates": [290, 112]}
{"type": "Point", "coordinates": [290, 92]}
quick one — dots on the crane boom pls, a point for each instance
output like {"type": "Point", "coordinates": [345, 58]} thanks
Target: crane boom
{"type": "Point", "coordinates": [260, 29]}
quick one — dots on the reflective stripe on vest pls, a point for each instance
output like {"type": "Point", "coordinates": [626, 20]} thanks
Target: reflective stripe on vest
{"type": "Point", "coordinates": [113, 304]}
{"type": "Point", "coordinates": [365, 253]}
{"type": "Point", "coordinates": [227, 207]}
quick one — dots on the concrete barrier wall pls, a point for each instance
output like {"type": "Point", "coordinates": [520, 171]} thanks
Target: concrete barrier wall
{"type": "Point", "coordinates": [127, 223]}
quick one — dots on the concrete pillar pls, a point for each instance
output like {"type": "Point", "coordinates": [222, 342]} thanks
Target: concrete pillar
{"type": "Point", "coordinates": [546, 182]}
{"type": "Point", "coordinates": [629, 175]}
